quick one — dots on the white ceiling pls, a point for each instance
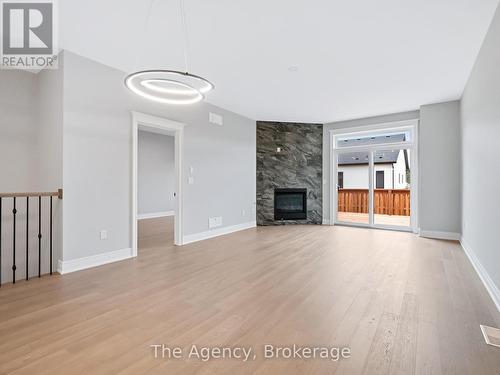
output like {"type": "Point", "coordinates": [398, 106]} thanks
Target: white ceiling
{"type": "Point", "coordinates": [355, 58]}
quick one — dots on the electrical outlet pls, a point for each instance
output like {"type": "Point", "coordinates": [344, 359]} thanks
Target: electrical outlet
{"type": "Point", "coordinates": [243, 212]}
{"type": "Point", "coordinates": [104, 234]}
{"type": "Point", "coordinates": [214, 222]}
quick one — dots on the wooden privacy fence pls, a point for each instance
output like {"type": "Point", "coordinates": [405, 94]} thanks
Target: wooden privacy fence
{"type": "Point", "coordinates": [386, 201]}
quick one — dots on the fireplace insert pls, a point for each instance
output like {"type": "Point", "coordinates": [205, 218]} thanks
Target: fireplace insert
{"type": "Point", "coordinates": [290, 204]}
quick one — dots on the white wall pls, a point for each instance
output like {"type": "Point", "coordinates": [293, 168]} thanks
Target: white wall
{"type": "Point", "coordinates": [97, 160]}
{"type": "Point", "coordinates": [327, 147]}
{"type": "Point", "coordinates": [439, 168]}
{"type": "Point", "coordinates": [480, 124]}
{"type": "Point", "coordinates": [355, 176]}
{"type": "Point", "coordinates": [155, 173]}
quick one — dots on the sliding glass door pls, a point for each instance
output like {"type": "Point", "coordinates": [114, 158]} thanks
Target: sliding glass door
{"type": "Point", "coordinates": [353, 188]}
{"type": "Point", "coordinates": [392, 190]}
{"type": "Point", "coordinates": [373, 179]}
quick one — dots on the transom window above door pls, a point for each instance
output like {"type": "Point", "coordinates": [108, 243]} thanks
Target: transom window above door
{"type": "Point", "coordinates": [373, 138]}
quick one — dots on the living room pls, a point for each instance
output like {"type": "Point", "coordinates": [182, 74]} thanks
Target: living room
{"type": "Point", "coordinates": [226, 187]}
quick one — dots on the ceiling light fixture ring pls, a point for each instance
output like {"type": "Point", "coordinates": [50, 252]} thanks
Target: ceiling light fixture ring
{"type": "Point", "coordinates": [157, 84]}
{"type": "Point", "coordinates": [142, 83]}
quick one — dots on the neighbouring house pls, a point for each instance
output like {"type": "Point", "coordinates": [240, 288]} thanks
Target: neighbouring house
{"type": "Point", "coordinates": [392, 170]}
{"type": "Point", "coordinates": [391, 167]}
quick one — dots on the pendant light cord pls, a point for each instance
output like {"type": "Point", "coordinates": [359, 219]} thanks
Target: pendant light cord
{"type": "Point", "coordinates": [186, 39]}
{"type": "Point", "coordinates": [143, 34]}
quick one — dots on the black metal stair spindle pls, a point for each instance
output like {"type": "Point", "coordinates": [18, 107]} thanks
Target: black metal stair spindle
{"type": "Point", "coordinates": [51, 234]}
{"type": "Point", "coordinates": [27, 234]}
{"type": "Point", "coordinates": [14, 212]}
{"type": "Point", "coordinates": [39, 236]}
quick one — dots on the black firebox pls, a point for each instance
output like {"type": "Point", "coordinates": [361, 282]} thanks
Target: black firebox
{"type": "Point", "coordinates": [290, 204]}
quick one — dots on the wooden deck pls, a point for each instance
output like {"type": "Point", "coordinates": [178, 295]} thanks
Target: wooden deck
{"type": "Point", "coordinates": [355, 217]}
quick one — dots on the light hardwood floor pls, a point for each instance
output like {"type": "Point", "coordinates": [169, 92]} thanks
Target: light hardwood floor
{"type": "Point", "coordinates": [403, 304]}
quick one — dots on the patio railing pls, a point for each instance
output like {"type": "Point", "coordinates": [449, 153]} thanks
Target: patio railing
{"type": "Point", "coordinates": [386, 201]}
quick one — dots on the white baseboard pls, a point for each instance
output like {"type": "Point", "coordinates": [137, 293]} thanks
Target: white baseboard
{"type": "Point", "coordinates": [325, 222]}
{"type": "Point", "coordinates": [483, 274]}
{"type": "Point", "coordinates": [440, 235]}
{"type": "Point", "coordinates": [217, 232]}
{"type": "Point", "coordinates": [69, 266]}
{"type": "Point", "coordinates": [154, 215]}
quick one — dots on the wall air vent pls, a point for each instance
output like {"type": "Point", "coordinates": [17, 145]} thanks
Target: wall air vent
{"type": "Point", "coordinates": [214, 118]}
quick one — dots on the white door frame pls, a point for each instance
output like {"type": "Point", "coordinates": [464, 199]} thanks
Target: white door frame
{"type": "Point", "coordinates": [143, 120]}
{"type": "Point", "coordinates": [359, 131]}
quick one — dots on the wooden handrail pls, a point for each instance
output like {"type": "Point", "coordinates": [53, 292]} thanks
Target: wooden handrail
{"type": "Point", "coordinates": [58, 194]}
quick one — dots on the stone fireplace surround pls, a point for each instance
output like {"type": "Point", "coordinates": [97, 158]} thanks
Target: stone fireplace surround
{"type": "Point", "coordinates": [289, 155]}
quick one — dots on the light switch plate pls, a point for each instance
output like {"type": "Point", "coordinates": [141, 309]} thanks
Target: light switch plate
{"type": "Point", "coordinates": [190, 180]}
{"type": "Point", "coordinates": [104, 234]}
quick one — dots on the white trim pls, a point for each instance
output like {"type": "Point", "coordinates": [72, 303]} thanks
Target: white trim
{"type": "Point", "coordinates": [371, 189]}
{"type": "Point", "coordinates": [482, 273]}
{"type": "Point", "coordinates": [217, 232]}
{"type": "Point", "coordinates": [145, 121]}
{"type": "Point", "coordinates": [68, 266]}
{"type": "Point", "coordinates": [325, 222]}
{"type": "Point", "coordinates": [439, 235]}
{"type": "Point", "coordinates": [375, 127]}
{"type": "Point", "coordinates": [154, 215]}
{"type": "Point", "coordinates": [393, 228]}
{"type": "Point", "coordinates": [409, 125]}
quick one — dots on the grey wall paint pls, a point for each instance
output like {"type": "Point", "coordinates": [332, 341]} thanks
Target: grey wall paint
{"type": "Point", "coordinates": [439, 167]}
{"type": "Point", "coordinates": [49, 126]}
{"type": "Point", "coordinates": [97, 160]}
{"type": "Point", "coordinates": [480, 119]}
{"type": "Point", "coordinates": [49, 122]}
{"type": "Point", "coordinates": [298, 165]}
{"type": "Point", "coordinates": [327, 147]}
{"type": "Point", "coordinates": [155, 173]}
{"type": "Point", "coordinates": [30, 150]}
{"type": "Point", "coordinates": [18, 130]}
{"type": "Point", "coordinates": [17, 156]}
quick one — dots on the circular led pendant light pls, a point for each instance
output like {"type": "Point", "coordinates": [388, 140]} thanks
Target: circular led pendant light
{"type": "Point", "coordinates": [170, 86]}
